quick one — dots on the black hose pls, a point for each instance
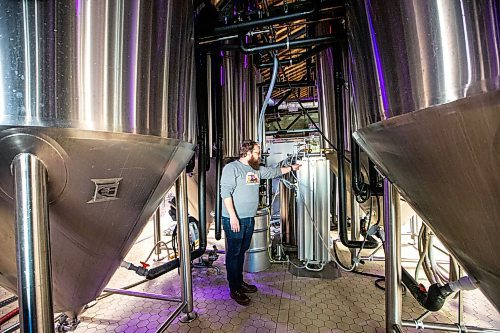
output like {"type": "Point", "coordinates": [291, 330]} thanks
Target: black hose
{"type": "Point", "coordinates": [8, 301]}
{"type": "Point", "coordinates": [432, 299]}
{"type": "Point", "coordinates": [216, 102]}
{"type": "Point", "coordinates": [339, 113]}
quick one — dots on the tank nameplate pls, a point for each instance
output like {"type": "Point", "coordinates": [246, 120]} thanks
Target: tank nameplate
{"type": "Point", "coordinates": [105, 189]}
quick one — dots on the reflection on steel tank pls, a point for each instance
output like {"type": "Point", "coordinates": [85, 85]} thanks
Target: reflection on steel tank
{"type": "Point", "coordinates": [427, 103]}
{"type": "Point", "coordinates": [97, 90]}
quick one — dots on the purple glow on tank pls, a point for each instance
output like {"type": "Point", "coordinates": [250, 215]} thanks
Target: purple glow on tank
{"type": "Point", "coordinates": [78, 7]}
{"type": "Point", "coordinates": [221, 71]}
{"type": "Point", "coordinates": [245, 58]}
{"type": "Point", "coordinates": [132, 67]}
{"type": "Point", "coordinates": [378, 61]}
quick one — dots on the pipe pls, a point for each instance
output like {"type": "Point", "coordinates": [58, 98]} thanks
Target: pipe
{"type": "Point", "coordinates": [8, 316]}
{"type": "Point", "coordinates": [183, 237]}
{"type": "Point", "coordinates": [447, 327]}
{"type": "Point", "coordinates": [171, 318]}
{"type": "Point", "coordinates": [216, 101]}
{"type": "Point", "coordinates": [339, 114]}
{"type": "Point", "coordinates": [434, 298]}
{"type": "Point", "coordinates": [202, 107]}
{"type": "Point", "coordinates": [157, 233]}
{"type": "Point", "coordinates": [298, 59]}
{"type": "Point", "coordinates": [33, 244]}
{"type": "Point", "coordinates": [289, 84]}
{"type": "Point", "coordinates": [358, 186]}
{"type": "Point", "coordinates": [12, 328]}
{"type": "Point", "coordinates": [292, 15]}
{"type": "Point", "coordinates": [289, 44]}
{"type": "Point", "coordinates": [393, 296]}
{"type": "Point", "coordinates": [261, 124]}
{"type": "Point", "coordinates": [140, 294]}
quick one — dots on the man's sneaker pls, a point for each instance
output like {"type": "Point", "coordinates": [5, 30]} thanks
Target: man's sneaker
{"type": "Point", "coordinates": [240, 297]}
{"type": "Point", "coordinates": [248, 288]}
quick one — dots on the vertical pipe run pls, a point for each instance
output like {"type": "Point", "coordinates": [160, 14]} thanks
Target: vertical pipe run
{"type": "Point", "coordinates": [157, 233]}
{"type": "Point", "coordinates": [33, 244]}
{"type": "Point", "coordinates": [393, 298]}
{"type": "Point", "coordinates": [355, 223]}
{"type": "Point", "coordinates": [183, 232]}
{"type": "Point", "coordinates": [216, 102]}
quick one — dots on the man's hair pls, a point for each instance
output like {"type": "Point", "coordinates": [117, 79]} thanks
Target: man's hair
{"type": "Point", "coordinates": [246, 146]}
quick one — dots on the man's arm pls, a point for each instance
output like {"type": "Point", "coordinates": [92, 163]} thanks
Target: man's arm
{"type": "Point", "coordinates": [227, 186]}
{"type": "Point", "coordinates": [235, 223]}
{"type": "Point", "coordinates": [290, 168]}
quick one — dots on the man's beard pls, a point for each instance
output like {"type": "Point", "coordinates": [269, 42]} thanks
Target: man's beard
{"type": "Point", "coordinates": [254, 163]}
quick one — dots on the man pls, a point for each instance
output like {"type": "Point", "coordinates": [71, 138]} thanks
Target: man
{"type": "Point", "coordinates": [240, 193]}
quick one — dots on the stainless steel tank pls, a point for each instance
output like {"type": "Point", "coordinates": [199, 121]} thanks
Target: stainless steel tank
{"type": "Point", "coordinates": [428, 113]}
{"type": "Point", "coordinates": [102, 92]}
{"type": "Point", "coordinates": [240, 101]}
{"type": "Point", "coordinates": [257, 257]}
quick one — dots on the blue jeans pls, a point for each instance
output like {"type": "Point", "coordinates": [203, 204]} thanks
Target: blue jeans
{"type": "Point", "coordinates": [237, 244]}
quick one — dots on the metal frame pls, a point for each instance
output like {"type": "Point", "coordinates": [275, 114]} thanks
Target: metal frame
{"type": "Point", "coordinates": [393, 294]}
{"type": "Point", "coordinates": [186, 300]}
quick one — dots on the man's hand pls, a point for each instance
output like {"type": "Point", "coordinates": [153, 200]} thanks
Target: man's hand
{"type": "Point", "coordinates": [296, 167]}
{"type": "Point", "coordinates": [235, 224]}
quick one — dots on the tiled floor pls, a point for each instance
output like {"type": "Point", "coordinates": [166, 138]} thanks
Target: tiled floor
{"type": "Point", "coordinates": [284, 303]}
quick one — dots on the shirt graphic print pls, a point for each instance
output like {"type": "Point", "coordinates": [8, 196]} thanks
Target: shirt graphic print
{"type": "Point", "coordinates": [252, 178]}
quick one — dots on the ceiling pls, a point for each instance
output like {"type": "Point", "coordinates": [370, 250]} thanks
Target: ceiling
{"type": "Point", "coordinates": [285, 23]}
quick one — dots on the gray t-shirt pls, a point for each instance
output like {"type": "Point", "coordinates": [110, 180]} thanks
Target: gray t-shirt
{"type": "Point", "coordinates": [241, 182]}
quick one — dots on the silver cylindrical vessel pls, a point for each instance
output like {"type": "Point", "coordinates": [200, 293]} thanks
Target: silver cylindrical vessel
{"type": "Point", "coordinates": [313, 210]}
{"type": "Point", "coordinates": [102, 92]}
{"type": "Point", "coordinates": [109, 66]}
{"type": "Point", "coordinates": [445, 51]}
{"type": "Point", "coordinates": [257, 257]}
{"type": "Point", "coordinates": [426, 101]}
{"type": "Point", "coordinates": [240, 109]}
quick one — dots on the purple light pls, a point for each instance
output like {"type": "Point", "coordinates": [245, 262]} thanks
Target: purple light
{"type": "Point", "coordinates": [132, 73]}
{"type": "Point", "coordinates": [78, 7]}
{"type": "Point", "coordinates": [222, 76]}
{"type": "Point", "coordinates": [221, 72]}
{"type": "Point", "coordinates": [378, 61]}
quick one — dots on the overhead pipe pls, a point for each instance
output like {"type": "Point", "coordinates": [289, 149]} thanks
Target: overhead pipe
{"type": "Point", "coordinates": [296, 60]}
{"type": "Point", "coordinates": [339, 107]}
{"type": "Point", "coordinates": [289, 44]}
{"type": "Point", "coordinates": [289, 84]}
{"type": "Point", "coordinates": [294, 13]}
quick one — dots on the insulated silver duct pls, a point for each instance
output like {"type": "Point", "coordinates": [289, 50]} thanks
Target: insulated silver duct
{"type": "Point", "coordinates": [427, 102]}
{"type": "Point", "coordinates": [313, 210]}
{"type": "Point", "coordinates": [101, 93]}
{"type": "Point", "coordinates": [240, 102]}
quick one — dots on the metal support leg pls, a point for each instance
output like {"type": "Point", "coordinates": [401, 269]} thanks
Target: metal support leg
{"type": "Point", "coordinates": [157, 233]}
{"type": "Point", "coordinates": [185, 255]}
{"type": "Point", "coordinates": [34, 281]}
{"type": "Point", "coordinates": [393, 298]}
{"type": "Point", "coordinates": [355, 224]}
